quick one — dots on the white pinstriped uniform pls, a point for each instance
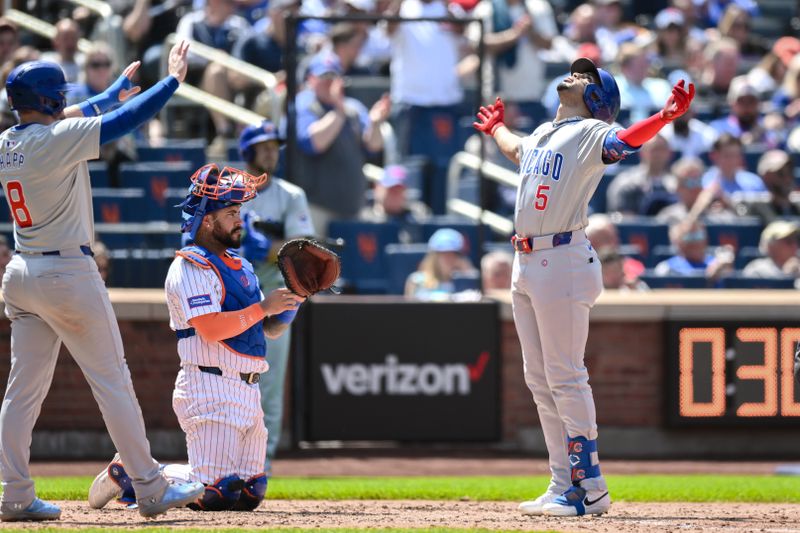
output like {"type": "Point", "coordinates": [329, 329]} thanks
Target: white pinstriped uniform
{"type": "Point", "coordinates": [221, 415]}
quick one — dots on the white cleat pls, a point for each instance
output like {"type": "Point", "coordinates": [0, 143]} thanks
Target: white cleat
{"type": "Point", "coordinates": [577, 501]}
{"type": "Point", "coordinates": [105, 486]}
{"type": "Point", "coordinates": [534, 507]}
{"type": "Point", "coordinates": [176, 494]}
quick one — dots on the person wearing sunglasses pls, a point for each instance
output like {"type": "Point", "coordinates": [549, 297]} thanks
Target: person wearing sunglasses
{"type": "Point", "coordinates": [688, 173]}
{"type": "Point", "coordinates": [693, 257]}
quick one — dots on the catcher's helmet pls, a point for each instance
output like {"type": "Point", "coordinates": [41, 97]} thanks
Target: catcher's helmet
{"type": "Point", "coordinates": [38, 86]}
{"type": "Point", "coordinates": [252, 135]}
{"type": "Point", "coordinates": [601, 99]}
{"type": "Point", "coordinates": [213, 189]}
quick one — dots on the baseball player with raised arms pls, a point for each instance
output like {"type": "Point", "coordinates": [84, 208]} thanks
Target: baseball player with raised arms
{"type": "Point", "coordinates": [220, 316]}
{"type": "Point", "coordinates": [52, 289]}
{"type": "Point", "coordinates": [557, 275]}
{"type": "Point", "coordinates": [281, 208]}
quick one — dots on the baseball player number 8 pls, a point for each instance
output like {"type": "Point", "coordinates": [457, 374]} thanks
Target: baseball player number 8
{"type": "Point", "coordinates": [16, 199]}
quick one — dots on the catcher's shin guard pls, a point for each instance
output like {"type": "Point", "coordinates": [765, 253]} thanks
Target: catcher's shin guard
{"type": "Point", "coordinates": [221, 495]}
{"type": "Point", "coordinates": [253, 492]}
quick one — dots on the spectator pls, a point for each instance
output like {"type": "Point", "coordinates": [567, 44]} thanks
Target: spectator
{"type": "Point", "coordinates": [21, 55]}
{"type": "Point", "coordinates": [333, 132]}
{"type": "Point", "coordinates": [735, 24]}
{"type": "Point", "coordinates": [580, 29]}
{"type": "Point", "coordinates": [639, 93]}
{"type": "Point", "coordinates": [787, 97]}
{"type": "Point", "coordinates": [265, 46]}
{"type": "Point", "coordinates": [672, 36]}
{"type": "Point", "coordinates": [496, 270]}
{"type": "Point", "coordinates": [689, 137]}
{"type": "Point", "coordinates": [346, 41]}
{"type": "Point", "coordinates": [745, 120]}
{"type": "Point", "coordinates": [9, 40]}
{"type": "Point", "coordinates": [776, 169]}
{"type": "Point", "coordinates": [426, 93]}
{"type": "Point", "coordinates": [780, 245]}
{"type": "Point", "coordinates": [721, 58]}
{"type": "Point", "coordinates": [611, 32]}
{"type": "Point", "coordinates": [768, 74]}
{"type": "Point", "coordinates": [433, 278]}
{"type": "Point", "coordinates": [688, 172]}
{"type": "Point", "coordinates": [391, 200]}
{"type": "Point", "coordinates": [65, 50]}
{"type": "Point", "coordinates": [728, 172]}
{"type": "Point", "coordinates": [693, 258]}
{"type": "Point", "coordinates": [648, 187]}
{"type": "Point", "coordinates": [146, 25]}
{"type": "Point", "coordinates": [216, 25]}
{"type": "Point", "coordinates": [614, 273]}
{"type": "Point", "coordinates": [516, 32]}
{"type": "Point", "coordinates": [102, 258]}
{"type": "Point", "coordinates": [603, 235]}
{"type": "Point", "coordinates": [715, 10]}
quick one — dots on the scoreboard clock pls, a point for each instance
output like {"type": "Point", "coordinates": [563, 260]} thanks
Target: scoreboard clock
{"type": "Point", "coordinates": [732, 373]}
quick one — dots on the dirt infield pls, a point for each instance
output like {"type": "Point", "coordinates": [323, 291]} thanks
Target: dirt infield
{"type": "Point", "coordinates": [623, 518]}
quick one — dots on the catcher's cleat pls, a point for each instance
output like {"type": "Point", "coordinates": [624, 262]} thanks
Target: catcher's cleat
{"type": "Point", "coordinates": [534, 507]}
{"type": "Point", "coordinates": [577, 501]}
{"type": "Point", "coordinates": [113, 482]}
{"type": "Point", "coordinates": [175, 495]}
{"type": "Point", "coordinates": [38, 510]}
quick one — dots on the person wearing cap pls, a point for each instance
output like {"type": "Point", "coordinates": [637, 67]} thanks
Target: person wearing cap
{"type": "Point", "coordinates": [334, 135]}
{"type": "Point", "coordinates": [688, 172]}
{"type": "Point", "coordinates": [391, 202]}
{"type": "Point", "coordinates": [779, 245]}
{"type": "Point", "coordinates": [727, 173]}
{"type": "Point", "coordinates": [517, 31]}
{"type": "Point", "coordinates": [671, 38]}
{"type": "Point", "coordinates": [776, 169]}
{"type": "Point", "coordinates": [693, 258]}
{"type": "Point", "coordinates": [768, 74]}
{"type": "Point", "coordinates": [745, 120]}
{"type": "Point", "coordinates": [279, 213]}
{"type": "Point", "coordinates": [433, 279]}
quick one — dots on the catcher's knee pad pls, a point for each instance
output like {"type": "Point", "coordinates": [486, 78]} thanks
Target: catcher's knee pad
{"type": "Point", "coordinates": [221, 495]}
{"type": "Point", "coordinates": [253, 492]}
{"type": "Point", "coordinates": [583, 459]}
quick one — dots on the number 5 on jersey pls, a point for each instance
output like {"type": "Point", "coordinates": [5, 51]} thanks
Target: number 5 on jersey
{"type": "Point", "coordinates": [16, 200]}
{"type": "Point", "coordinates": [541, 197]}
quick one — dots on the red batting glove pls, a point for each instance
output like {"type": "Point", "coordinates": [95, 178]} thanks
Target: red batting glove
{"type": "Point", "coordinates": [490, 117]}
{"type": "Point", "coordinates": [678, 103]}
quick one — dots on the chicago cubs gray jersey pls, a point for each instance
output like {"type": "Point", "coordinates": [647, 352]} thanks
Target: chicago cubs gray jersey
{"type": "Point", "coordinates": [45, 178]}
{"type": "Point", "coordinates": [561, 164]}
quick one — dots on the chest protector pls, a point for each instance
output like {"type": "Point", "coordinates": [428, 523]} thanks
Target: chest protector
{"type": "Point", "coordinates": [241, 290]}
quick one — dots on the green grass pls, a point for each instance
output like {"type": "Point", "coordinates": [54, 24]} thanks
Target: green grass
{"type": "Point", "coordinates": [644, 488]}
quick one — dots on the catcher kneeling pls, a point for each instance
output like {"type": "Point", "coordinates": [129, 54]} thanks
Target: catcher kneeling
{"type": "Point", "coordinates": [220, 316]}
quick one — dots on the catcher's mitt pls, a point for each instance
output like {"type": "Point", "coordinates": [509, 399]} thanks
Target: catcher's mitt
{"type": "Point", "coordinates": [308, 267]}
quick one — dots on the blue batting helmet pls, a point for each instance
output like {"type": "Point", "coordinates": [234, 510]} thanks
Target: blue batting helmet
{"type": "Point", "coordinates": [602, 99]}
{"type": "Point", "coordinates": [38, 86]}
{"type": "Point", "coordinates": [213, 189]}
{"type": "Point", "coordinates": [252, 135]}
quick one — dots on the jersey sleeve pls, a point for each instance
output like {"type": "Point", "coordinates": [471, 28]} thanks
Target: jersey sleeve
{"type": "Point", "coordinates": [298, 218]}
{"type": "Point", "coordinates": [198, 291]}
{"type": "Point", "coordinates": [596, 146]}
{"type": "Point", "coordinates": [75, 140]}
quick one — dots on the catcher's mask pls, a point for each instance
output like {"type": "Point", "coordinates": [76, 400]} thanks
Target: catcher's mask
{"type": "Point", "coordinates": [213, 189]}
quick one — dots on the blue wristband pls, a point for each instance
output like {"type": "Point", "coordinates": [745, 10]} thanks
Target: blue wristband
{"type": "Point", "coordinates": [286, 316]}
{"type": "Point", "coordinates": [106, 100]}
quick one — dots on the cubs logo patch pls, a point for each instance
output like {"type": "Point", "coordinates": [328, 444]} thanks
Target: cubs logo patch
{"type": "Point", "coordinates": [199, 300]}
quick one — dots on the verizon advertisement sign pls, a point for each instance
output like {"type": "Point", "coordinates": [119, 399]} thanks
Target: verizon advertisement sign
{"type": "Point", "coordinates": [401, 371]}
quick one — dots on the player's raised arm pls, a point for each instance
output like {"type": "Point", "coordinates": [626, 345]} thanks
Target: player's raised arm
{"type": "Point", "coordinates": [136, 112]}
{"type": "Point", "coordinates": [677, 104]}
{"type": "Point", "coordinates": [490, 122]}
{"type": "Point", "coordinates": [119, 91]}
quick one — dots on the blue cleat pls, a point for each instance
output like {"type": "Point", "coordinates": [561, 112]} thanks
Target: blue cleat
{"type": "Point", "coordinates": [37, 510]}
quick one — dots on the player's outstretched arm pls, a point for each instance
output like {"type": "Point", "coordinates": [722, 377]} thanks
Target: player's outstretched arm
{"type": "Point", "coordinates": [136, 112]}
{"type": "Point", "coordinates": [490, 122]}
{"type": "Point", "coordinates": [677, 104]}
{"type": "Point", "coordinates": [119, 91]}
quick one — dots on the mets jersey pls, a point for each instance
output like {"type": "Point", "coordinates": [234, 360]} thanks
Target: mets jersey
{"type": "Point", "coordinates": [45, 178]}
{"type": "Point", "coordinates": [193, 291]}
{"type": "Point", "coordinates": [560, 166]}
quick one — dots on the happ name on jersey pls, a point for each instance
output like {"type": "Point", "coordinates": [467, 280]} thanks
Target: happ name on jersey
{"type": "Point", "coordinates": [544, 162]}
{"type": "Point", "coordinates": [11, 159]}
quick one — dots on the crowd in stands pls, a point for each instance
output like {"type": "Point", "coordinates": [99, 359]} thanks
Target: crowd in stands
{"type": "Point", "coordinates": [732, 159]}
